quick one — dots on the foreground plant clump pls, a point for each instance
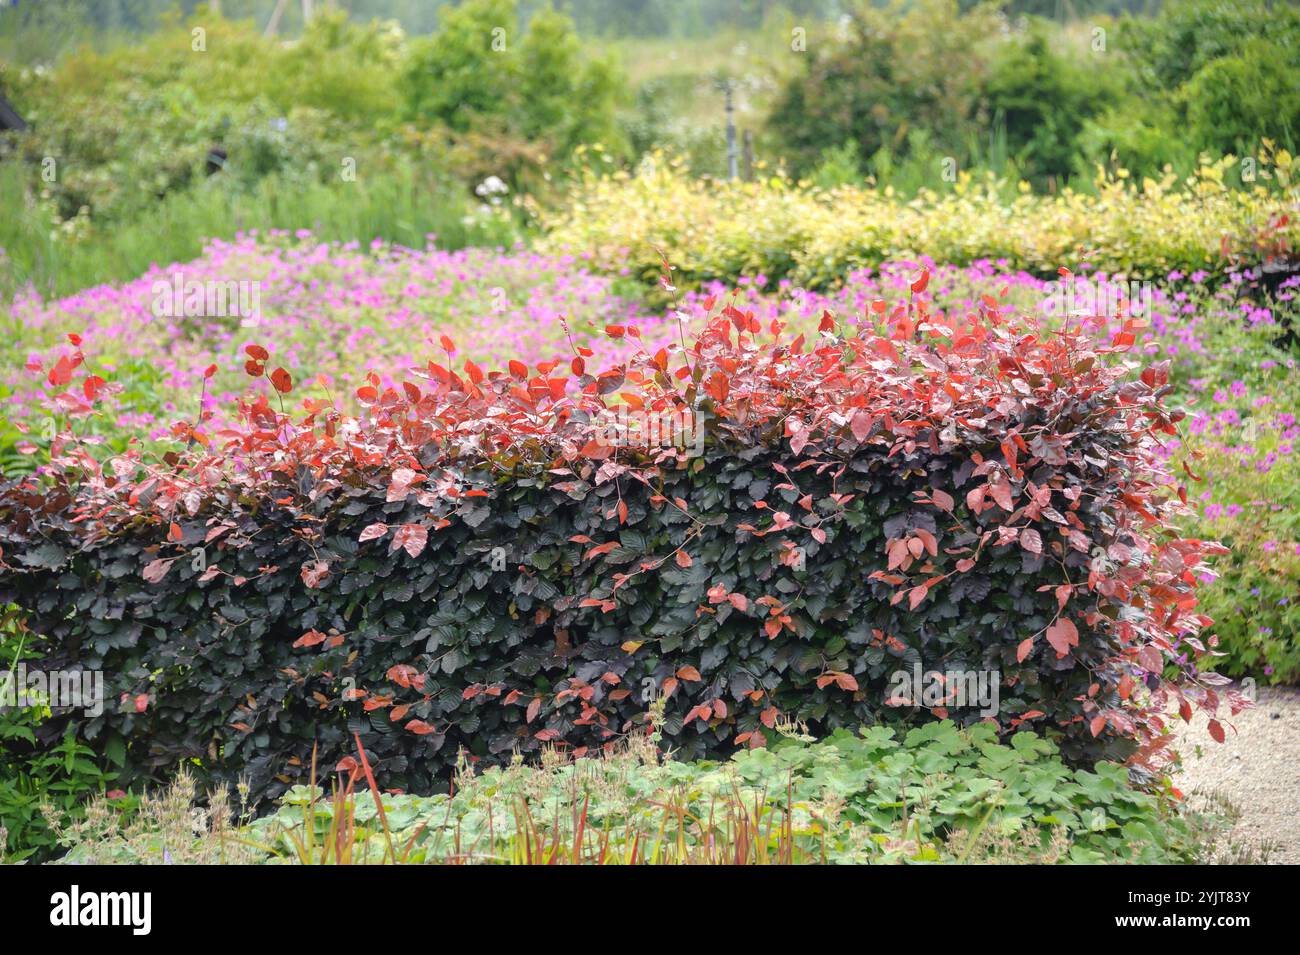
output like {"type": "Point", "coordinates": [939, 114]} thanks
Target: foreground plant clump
{"type": "Point", "coordinates": [939, 794]}
{"type": "Point", "coordinates": [509, 561]}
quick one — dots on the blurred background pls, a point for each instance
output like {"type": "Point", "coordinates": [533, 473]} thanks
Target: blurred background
{"type": "Point", "coordinates": [155, 124]}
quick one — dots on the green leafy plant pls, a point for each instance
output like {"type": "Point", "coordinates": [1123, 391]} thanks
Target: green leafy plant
{"type": "Point", "coordinates": [935, 794]}
{"type": "Point", "coordinates": [44, 777]}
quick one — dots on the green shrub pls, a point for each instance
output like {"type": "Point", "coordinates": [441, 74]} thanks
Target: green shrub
{"type": "Point", "coordinates": [45, 772]}
{"type": "Point", "coordinates": [1220, 69]}
{"type": "Point", "coordinates": [130, 125]}
{"type": "Point", "coordinates": [499, 85]}
{"type": "Point", "coordinates": [1042, 101]}
{"type": "Point", "coordinates": [1235, 102]}
{"type": "Point", "coordinates": [908, 66]}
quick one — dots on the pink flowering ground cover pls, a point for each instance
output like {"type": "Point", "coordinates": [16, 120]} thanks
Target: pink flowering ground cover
{"type": "Point", "coordinates": [330, 312]}
{"type": "Point", "coordinates": [333, 313]}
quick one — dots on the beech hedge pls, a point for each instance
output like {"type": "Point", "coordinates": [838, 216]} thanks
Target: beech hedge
{"type": "Point", "coordinates": [488, 562]}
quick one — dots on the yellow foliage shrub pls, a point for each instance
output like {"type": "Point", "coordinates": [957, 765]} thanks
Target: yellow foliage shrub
{"type": "Point", "coordinates": [782, 229]}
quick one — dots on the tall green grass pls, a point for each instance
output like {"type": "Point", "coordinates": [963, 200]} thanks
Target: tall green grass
{"type": "Point", "coordinates": [402, 205]}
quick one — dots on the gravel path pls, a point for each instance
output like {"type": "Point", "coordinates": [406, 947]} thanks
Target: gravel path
{"type": "Point", "coordinates": [1255, 772]}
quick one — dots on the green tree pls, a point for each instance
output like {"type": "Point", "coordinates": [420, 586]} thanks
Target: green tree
{"type": "Point", "coordinates": [483, 70]}
{"type": "Point", "coordinates": [1042, 100]}
{"type": "Point", "coordinates": [902, 68]}
{"type": "Point", "coordinates": [1235, 101]}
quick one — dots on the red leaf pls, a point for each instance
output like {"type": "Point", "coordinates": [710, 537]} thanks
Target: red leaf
{"type": "Point", "coordinates": [718, 386]}
{"type": "Point", "coordinates": [156, 570]}
{"type": "Point", "coordinates": [282, 381]}
{"type": "Point", "coordinates": [378, 529]}
{"type": "Point", "coordinates": [401, 482]}
{"type": "Point", "coordinates": [1024, 649]}
{"type": "Point", "coordinates": [410, 537]}
{"type": "Point", "coordinates": [1063, 595]}
{"type": "Point", "coordinates": [403, 674]}
{"type": "Point", "coordinates": [310, 639]}
{"type": "Point", "coordinates": [92, 386]}
{"type": "Point", "coordinates": [314, 573]}
{"type": "Point", "coordinates": [61, 373]}
{"type": "Point", "coordinates": [419, 727]}
{"type": "Point", "coordinates": [1001, 492]}
{"type": "Point", "coordinates": [1062, 635]}
{"type": "Point", "coordinates": [1216, 731]}
{"type": "Point", "coordinates": [861, 425]}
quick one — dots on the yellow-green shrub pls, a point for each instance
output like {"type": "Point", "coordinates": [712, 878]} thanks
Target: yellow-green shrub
{"type": "Point", "coordinates": [783, 229]}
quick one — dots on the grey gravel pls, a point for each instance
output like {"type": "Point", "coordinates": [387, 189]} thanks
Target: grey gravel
{"type": "Point", "coordinates": [1255, 773]}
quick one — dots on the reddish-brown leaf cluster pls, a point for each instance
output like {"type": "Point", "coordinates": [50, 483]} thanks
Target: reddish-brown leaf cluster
{"type": "Point", "coordinates": [1047, 447]}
